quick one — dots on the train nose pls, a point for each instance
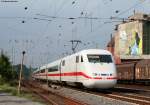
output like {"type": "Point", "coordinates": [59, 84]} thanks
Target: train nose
{"type": "Point", "coordinates": [102, 84]}
{"type": "Point", "coordinates": [105, 84]}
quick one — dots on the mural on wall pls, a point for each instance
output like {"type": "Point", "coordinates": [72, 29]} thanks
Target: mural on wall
{"type": "Point", "coordinates": [135, 46]}
{"type": "Point", "coordinates": [130, 40]}
{"type": "Point", "coordinates": [122, 42]}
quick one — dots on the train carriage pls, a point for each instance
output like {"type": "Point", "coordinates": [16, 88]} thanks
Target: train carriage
{"type": "Point", "coordinates": [143, 71]}
{"type": "Point", "coordinates": [92, 68]}
{"type": "Point", "coordinates": [134, 72]}
{"type": "Point", "coordinates": [125, 72]}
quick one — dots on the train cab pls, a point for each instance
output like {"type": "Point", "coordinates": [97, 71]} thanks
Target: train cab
{"type": "Point", "coordinates": [101, 69]}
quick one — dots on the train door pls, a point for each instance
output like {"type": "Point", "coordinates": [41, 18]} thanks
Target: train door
{"type": "Point", "coordinates": [77, 64]}
{"type": "Point", "coordinates": [60, 71]}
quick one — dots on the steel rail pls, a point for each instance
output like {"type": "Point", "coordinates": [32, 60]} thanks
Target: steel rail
{"type": "Point", "coordinates": [44, 94]}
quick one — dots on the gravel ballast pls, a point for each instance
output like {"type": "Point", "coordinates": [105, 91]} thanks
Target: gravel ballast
{"type": "Point", "coordinates": [90, 99]}
{"type": "Point", "coordinates": [7, 99]}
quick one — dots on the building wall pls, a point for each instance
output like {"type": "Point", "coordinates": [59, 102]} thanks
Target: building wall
{"type": "Point", "coordinates": [128, 40]}
{"type": "Point", "coordinates": [146, 37]}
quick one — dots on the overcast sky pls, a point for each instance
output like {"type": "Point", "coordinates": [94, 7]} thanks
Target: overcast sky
{"type": "Point", "coordinates": [43, 28]}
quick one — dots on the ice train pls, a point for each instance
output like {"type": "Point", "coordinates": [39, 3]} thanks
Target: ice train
{"type": "Point", "coordinates": [91, 68]}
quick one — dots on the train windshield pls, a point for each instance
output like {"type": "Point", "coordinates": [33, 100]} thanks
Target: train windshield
{"type": "Point", "coordinates": [99, 58]}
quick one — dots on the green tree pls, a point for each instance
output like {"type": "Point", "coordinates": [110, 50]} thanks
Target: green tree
{"type": "Point", "coordinates": [6, 72]}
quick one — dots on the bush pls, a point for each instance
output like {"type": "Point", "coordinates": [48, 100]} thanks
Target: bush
{"type": "Point", "coordinates": [1, 80]}
{"type": "Point", "coordinates": [7, 88]}
{"type": "Point", "coordinates": [6, 72]}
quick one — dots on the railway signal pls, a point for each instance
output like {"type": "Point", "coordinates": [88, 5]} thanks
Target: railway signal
{"type": "Point", "coordinates": [20, 74]}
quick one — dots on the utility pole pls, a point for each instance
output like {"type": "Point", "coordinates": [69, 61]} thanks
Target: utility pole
{"type": "Point", "coordinates": [20, 74]}
{"type": "Point", "coordinates": [30, 73]}
{"type": "Point", "coordinates": [12, 58]}
{"type": "Point", "coordinates": [74, 44]}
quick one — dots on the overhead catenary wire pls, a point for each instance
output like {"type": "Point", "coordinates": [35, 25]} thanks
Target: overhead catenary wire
{"type": "Point", "coordinates": [61, 7]}
{"type": "Point", "coordinates": [94, 18]}
{"type": "Point", "coordinates": [89, 18]}
{"type": "Point", "coordinates": [115, 18]}
{"type": "Point", "coordinates": [128, 9]}
{"type": "Point", "coordinates": [34, 18]}
{"type": "Point", "coordinates": [83, 17]}
{"type": "Point", "coordinates": [84, 8]}
{"type": "Point", "coordinates": [57, 16]}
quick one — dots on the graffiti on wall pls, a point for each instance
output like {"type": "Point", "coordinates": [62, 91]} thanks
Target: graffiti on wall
{"type": "Point", "coordinates": [135, 46]}
{"type": "Point", "coordinates": [130, 42]}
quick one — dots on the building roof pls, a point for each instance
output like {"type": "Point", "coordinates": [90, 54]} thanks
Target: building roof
{"type": "Point", "coordinates": [140, 16]}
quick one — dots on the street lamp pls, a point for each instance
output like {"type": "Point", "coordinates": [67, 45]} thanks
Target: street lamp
{"type": "Point", "coordinates": [20, 74]}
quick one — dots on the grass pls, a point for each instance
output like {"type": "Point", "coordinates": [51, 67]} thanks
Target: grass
{"type": "Point", "coordinates": [8, 89]}
{"type": "Point", "coordinates": [5, 87]}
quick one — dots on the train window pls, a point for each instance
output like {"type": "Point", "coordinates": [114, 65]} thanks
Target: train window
{"type": "Point", "coordinates": [54, 68]}
{"type": "Point", "coordinates": [63, 63]}
{"type": "Point", "coordinates": [99, 58]}
{"type": "Point", "coordinates": [77, 59]}
{"type": "Point", "coordinates": [42, 71]}
{"type": "Point", "coordinates": [81, 59]}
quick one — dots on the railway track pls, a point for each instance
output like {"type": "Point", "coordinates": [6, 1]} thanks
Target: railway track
{"type": "Point", "coordinates": [134, 86]}
{"type": "Point", "coordinates": [132, 96]}
{"type": "Point", "coordinates": [136, 94]}
{"type": "Point", "coordinates": [129, 96]}
{"type": "Point", "coordinates": [51, 98]}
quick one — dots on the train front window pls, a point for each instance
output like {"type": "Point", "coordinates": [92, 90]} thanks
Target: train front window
{"type": "Point", "coordinates": [99, 58]}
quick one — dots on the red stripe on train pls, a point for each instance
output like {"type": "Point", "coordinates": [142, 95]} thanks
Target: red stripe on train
{"type": "Point", "coordinates": [76, 74]}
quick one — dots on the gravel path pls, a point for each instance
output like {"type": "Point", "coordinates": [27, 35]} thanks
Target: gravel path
{"type": "Point", "coordinates": [7, 99]}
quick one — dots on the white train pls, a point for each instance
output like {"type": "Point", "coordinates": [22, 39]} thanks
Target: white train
{"type": "Point", "coordinates": [92, 68]}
